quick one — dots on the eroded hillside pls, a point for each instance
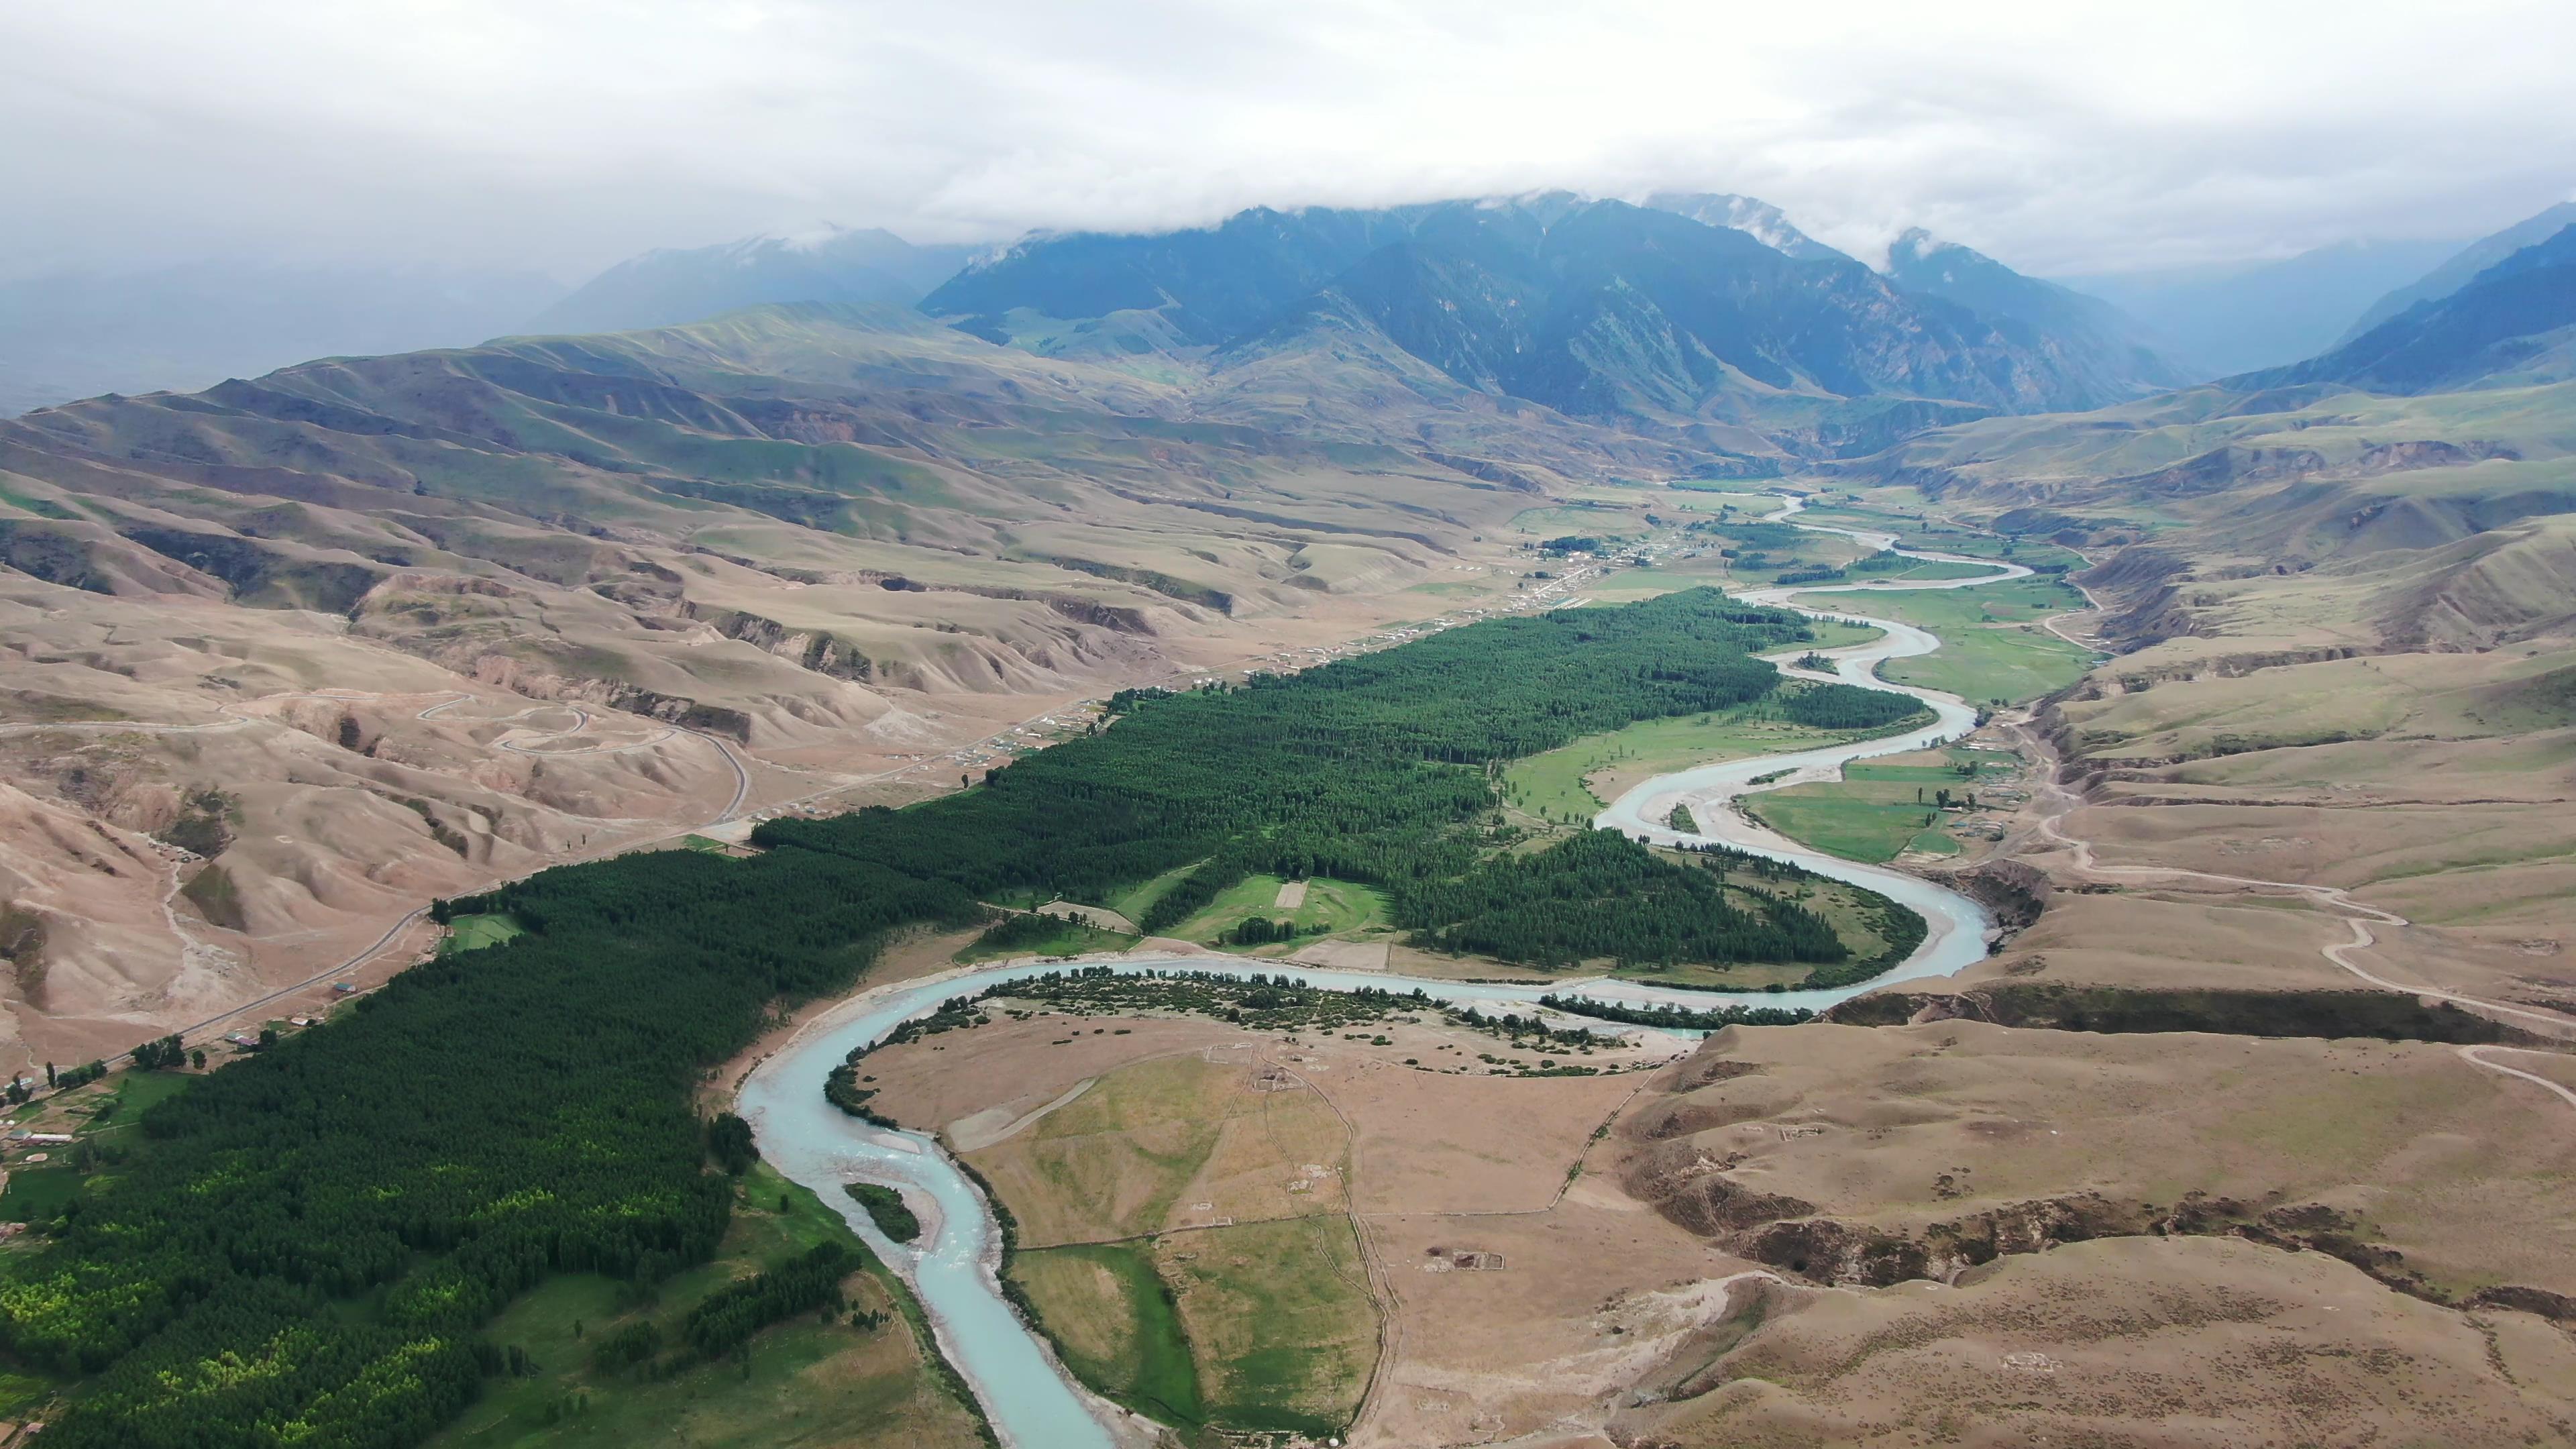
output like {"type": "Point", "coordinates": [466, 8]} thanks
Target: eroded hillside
{"type": "Point", "coordinates": [405, 624]}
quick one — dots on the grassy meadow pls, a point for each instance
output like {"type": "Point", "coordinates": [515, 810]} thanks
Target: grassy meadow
{"type": "Point", "coordinates": [1992, 647]}
{"type": "Point", "coordinates": [1878, 810]}
{"type": "Point", "coordinates": [1331, 907]}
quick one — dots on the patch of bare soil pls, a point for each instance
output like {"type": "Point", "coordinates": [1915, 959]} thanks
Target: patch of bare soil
{"type": "Point", "coordinates": [1874, 1156]}
{"type": "Point", "coordinates": [2192, 1343]}
{"type": "Point", "coordinates": [1015, 1067]}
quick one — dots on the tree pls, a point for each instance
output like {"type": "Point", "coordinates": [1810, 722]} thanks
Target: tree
{"type": "Point", "coordinates": [729, 1142]}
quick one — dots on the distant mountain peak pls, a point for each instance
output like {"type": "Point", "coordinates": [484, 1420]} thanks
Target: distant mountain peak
{"type": "Point", "coordinates": [1750, 215]}
{"type": "Point", "coordinates": [2087, 336]}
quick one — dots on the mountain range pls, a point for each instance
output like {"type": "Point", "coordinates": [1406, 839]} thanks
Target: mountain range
{"type": "Point", "coordinates": [1592, 308]}
{"type": "Point", "coordinates": [1707, 335]}
{"type": "Point", "coordinates": [2465, 265]}
{"type": "Point", "coordinates": [2512, 323]}
{"type": "Point", "coordinates": [2237, 317]}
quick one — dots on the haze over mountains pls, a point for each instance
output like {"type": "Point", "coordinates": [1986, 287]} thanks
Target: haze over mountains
{"type": "Point", "coordinates": [74, 336]}
{"type": "Point", "coordinates": [668, 287]}
{"type": "Point", "coordinates": [2236, 317]}
{"type": "Point", "coordinates": [2512, 322]}
{"type": "Point", "coordinates": [2463, 266]}
{"type": "Point", "coordinates": [2078, 342]}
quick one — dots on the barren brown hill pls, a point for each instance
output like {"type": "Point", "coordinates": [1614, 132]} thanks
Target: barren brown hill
{"type": "Point", "coordinates": [400, 625]}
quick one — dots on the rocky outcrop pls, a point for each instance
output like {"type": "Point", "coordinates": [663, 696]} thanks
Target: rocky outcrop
{"type": "Point", "coordinates": [2013, 892]}
{"type": "Point", "coordinates": [811, 648]}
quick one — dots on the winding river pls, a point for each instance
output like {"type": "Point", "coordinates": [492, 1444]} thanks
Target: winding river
{"type": "Point", "coordinates": [1032, 1402]}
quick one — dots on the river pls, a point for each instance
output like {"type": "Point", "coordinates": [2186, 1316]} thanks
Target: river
{"type": "Point", "coordinates": [1033, 1404]}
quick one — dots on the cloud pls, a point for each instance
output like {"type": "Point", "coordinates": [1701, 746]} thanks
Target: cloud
{"type": "Point", "coordinates": [565, 134]}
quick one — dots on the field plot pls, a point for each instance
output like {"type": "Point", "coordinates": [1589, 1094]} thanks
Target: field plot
{"type": "Point", "coordinates": [1179, 1141]}
{"type": "Point", "coordinates": [1182, 1233]}
{"type": "Point", "coordinates": [1572, 783]}
{"type": "Point", "coordinates": [1991, 651]}
{"type": "Point", "coordinates": [1321, 908]}
{"type": "Point", "coordinates": [1263, 1326]}
{"type": "Point", "coordinates": [1839, 634]}
{"type": "Point", "coordinates": [1279, 1316]}
{"type": "Point", "coordinates": [1667, 576]}
{"type": "Point", "coordinates": [853, 1380]}
{"type": "Point", "coordinates": [1117, 1324]}
{"type": "Point", "coordinates": [1274, 1324]}
{"type": "Point", "coordinates": [468, 933]}
{"type": "Point", "coordinates": [1134, 901]}
{"type": "Point", "coordinates": [1881, 808]}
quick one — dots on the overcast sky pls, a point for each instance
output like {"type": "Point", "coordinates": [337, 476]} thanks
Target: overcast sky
{"type": "Point", "coordinates": [561, 135]}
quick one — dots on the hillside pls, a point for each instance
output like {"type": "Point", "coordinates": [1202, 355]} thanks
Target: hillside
{"type": "Point", "coordinates": [2464, 265]}
{"type": "Point", "coordinates": [421, 620]}
{"type": "Point", "coordinates": [2088, 339]}
{"type": "Point", "coordinates": [2510, 323]}
{"type": "Point", "coordinates": [1593, 308]}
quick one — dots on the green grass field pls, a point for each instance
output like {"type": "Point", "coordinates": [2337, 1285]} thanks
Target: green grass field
{"type": "Point", "coordinates": [21, 1392]}
{"type": "Point", "coordinates": [1280, 1317]}
{"type": "Point", "coordinates": [1834, 634]}
{"type": "Point", "coordinates": [1111, 1163]}
{"type": "Point", "coordinates": [1991, 647]}
{"type": "Point", "coordinates": [1117, 1325]}
{"type": "Point", "coordinates": [40, 1192]}
{"type": "Point", "coordinates": [136, 1091]}
{"type": "Point", "coordinates": [1757, 486]}
{"type": "Point", "coordinates": [1134, 901]}
{"type": "Point", "coordinates": [109, 1114]}
{"type": "Point", "coordinates": [1551, 785]}
{"type": "Point", "coordinates": [1603, 521]}
{"type": "Point", "coordinates": [1251, 1328]}
{"type": "Point", "coordinates": [1070, 940]}
{"type": "Point", "coordinates": [1873, 813]}
{"type": "Point", "coordinates": [1921, 570]}
{"type": "Point", "coordinates": [470, 933]}
{"type": "Point", "coordinates": [1332, 907]}
{"type": "Point", "coordinates": [803, 1381]}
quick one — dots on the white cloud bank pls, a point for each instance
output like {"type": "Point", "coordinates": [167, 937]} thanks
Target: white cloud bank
{"type": "Point", "coordinates": [563, 134]}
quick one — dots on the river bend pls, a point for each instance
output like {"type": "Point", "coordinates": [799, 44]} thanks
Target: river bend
{"type": "Point", "coordinates": [1031, 1401]}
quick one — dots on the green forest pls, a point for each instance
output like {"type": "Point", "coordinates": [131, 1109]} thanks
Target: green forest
{"type": "Point", "coordinates": [303, 1247]}
{"type": "Point", "coordinates": [1369, 770]}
